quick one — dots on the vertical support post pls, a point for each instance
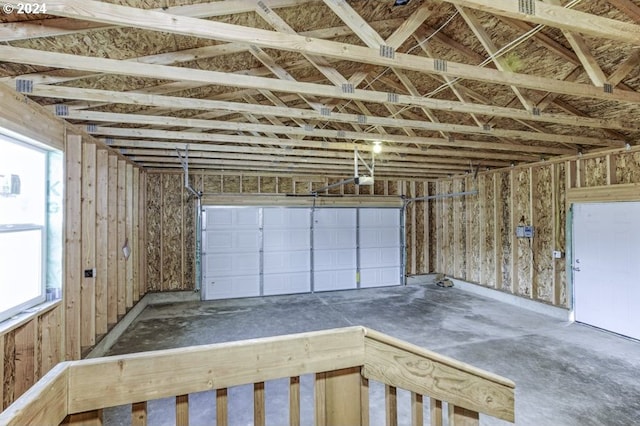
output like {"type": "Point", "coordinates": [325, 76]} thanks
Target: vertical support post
{"type": "Point", "coordinates": [294, 401]}
{"type": "Point", "coordinates": [417, 413]}
{"type": "Point", "coordinates": [122, 235]}
{"type": "Point", "coordinates": [222, 414]}
{"type": "Point", "coordinates": [139, 414]}
{"type": "Point", "coordinates": [459, 416]}
{"type": "Point", "coordinates": [497, 243]}
{"type": "Point", "coordinates": [182, 410]}
{"type": "Point", "coordinates": [342, 396]}
{"type": "Point", "coordinates": [391, 405]}
{"type": "Point", "coordinates": [258, 404]}
{"type": "Point", "coordinates": [364, 399]}
{"type": "Point", "coordinates": [112, 243]}
{"type": "Point", "coordinates": [88, 284]}
{"type": "Point", "coordinates": [73, 245]}
{"type": "Point", "coordinates": [102, 237]}
{"type": "Point", "coordinates": [435, 412]}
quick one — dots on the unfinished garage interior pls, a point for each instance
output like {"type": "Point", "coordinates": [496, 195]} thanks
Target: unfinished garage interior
{"type": "Point", "coordinates": [329, 212]}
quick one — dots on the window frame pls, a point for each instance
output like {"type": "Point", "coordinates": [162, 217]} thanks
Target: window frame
{"type": "Point", "coordinates": [25, 227]}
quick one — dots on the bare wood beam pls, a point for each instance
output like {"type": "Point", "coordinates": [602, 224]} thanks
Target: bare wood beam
{"type": "Point", "coordinates": [38, 28]}
{"type": "Point", "coordinates": [217, 137]}
{"type": "Point", "coordinates": [334, 151]}
{"type": "Point", "coordinates": [121, 15]}
{"type": "Point", "coordinates": [187, 103]}
{"type": "Point", "coordinates": [587, 60]}
{"type": "Point", "coordinates": [559, 17]}
{"type": "Point", "coordinates": [341, 134]}
{"type": "Point", "coordinates": [625, 68]}
{"type": "Point", "coordinates": [500, 62]}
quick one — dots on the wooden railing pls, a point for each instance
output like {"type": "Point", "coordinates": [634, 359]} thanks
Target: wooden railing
{"type": "Point", "coordinates": [343, 361]}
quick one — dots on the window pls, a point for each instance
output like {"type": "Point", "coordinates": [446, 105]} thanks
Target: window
{"type": "Point", "coordinates": [26, 222]}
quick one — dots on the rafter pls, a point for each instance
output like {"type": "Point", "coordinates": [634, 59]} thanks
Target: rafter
{"type": "Point", "coordinates": [121, 15]}
{"type": "Point", "coordinates": [92, 116]}
{"type": "Point", "coordinates": [190, 103]}
{"type": "Point", "coordinates": [218, 137]}
{"type": "Point", "coordinates": [559, 17]}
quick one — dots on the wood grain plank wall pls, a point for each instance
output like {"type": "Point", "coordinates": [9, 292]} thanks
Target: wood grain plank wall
{"type": "Point", "coordinates": [35, 342]}
{"type": "Point", "coordinates": [170, 218]}
{"type": "Point", "coordinates": [481, 229]}
{"type": "Point", "coordinates": [100, 219]}
{"type": "Point", "coordinates": [28, 350]}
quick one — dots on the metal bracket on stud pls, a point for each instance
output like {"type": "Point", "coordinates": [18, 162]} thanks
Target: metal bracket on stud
{"type": "Point", "coordinates": [608, 88]}
{"type": "Point", "coordinates": [264, 7]}
{"type": "Point", "coordinates": [325, 111]}
{"type": "Point", "coordinates": [440, 65]}
{"type": "Point", "coordinates": [387, 51]}
{"type": "Point", "coordinates": [527, 6]}
{"type": "Point", "coordinates": [62, 110]}
{"type": "Point", "coordinates": [486, 127]}
{"type": "Point", "coordinates": [24, 86]}
{"type": "Point", "coordinates": [342, 134]}
{"type": "Point", "coordinates": [362, 119]}
{"type": "Point", "coordinates": [535, 111]}
{"type": "Point", "coordinates": [392, 97]}
{"type": "Point", "coordinates": [308, 127]}
{"type": "Point", "coordinates": [348, 88]}
{"type": "Point", "coordinates": [92, 128]}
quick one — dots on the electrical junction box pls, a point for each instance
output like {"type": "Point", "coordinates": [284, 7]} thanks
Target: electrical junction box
{"type": "Point", "coordinates": [524, 231]}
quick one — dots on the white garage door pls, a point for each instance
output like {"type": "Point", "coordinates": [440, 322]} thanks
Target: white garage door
{"type": "Point", "coordinates": [287, 251]}
{"type": "Point", "coordinates": [606, 264]}
{"type": "Point", "coordinates": [379, 247]}
{"type": "Point", "coordinates": [231, 254]}
{"type": "Point", "coordinates": [256, 251]}
{"type": "Point", "coordinates": [334, 249]}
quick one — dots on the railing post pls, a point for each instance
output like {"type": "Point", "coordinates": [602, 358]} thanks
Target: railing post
{"type": "Point", "coordinates": [88, 418]}
{"type": "Point", "coordinates": [139, 414]}
{"type": "Point", "coordinates": [459, 416]}
{"type": "Point", "coordinates": [435, 412]}
{"type": "Point", "coordinates": [341, 397]}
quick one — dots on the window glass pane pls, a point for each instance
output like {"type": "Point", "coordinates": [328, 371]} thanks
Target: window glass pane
{"type": "Point", "coordinates": [22, 184]}
{"type": "Point", "coordinates": [20, 268]}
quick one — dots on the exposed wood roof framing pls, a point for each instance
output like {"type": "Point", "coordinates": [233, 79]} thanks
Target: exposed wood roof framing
{"type": "Point", "coordinates": [292, 86]}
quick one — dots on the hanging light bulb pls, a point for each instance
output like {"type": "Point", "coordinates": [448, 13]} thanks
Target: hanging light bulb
{"type": "Point", "coordinates": [377, 147]}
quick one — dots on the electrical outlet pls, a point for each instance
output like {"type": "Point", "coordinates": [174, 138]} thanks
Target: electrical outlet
{"type": "Point", "coordinates": [557, 254]}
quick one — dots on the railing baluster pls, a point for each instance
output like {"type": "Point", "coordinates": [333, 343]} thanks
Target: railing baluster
{"type": "Point", "coordinates": [459, 416]}
{"type": "Point", "coordinates": [294, 401]}
{"type": "Point", "coordinates": [364, 400]}
{"type": "Point", "coordinates": [222, 415]}
{"type": "Point", "coordinates": [417, 413]}
{"type": "Point", "coordinates": [139, 414]}
{"type": "Point", "coordinates": [435, 412]}
{"type": "Point", "coordinates": [258, 404]}
{"type": "Point", "coordinates": [182, 410]}
{"type": "Point", "coordinates": [391, 404]}
{"type": "Point", "coordinates": [320, 400]}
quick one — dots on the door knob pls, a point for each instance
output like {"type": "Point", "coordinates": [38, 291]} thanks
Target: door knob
{"type": "Point", "coordinates": [577, 269]}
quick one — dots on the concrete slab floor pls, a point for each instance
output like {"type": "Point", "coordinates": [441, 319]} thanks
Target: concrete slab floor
{"type": "Point", "coordinates": [565, 374]}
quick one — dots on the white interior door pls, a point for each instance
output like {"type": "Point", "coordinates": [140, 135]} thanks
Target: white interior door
{"type": "Point", "coordinates": [231, 252]}
{"type": "Point", "coordinates": [334, 249]}
{"type": "Point", "coordinates": [287, 245]}
{"type": "Point", "coordinates": [379, 242]}
{"type": "Point", "coordinates": [606, 266]}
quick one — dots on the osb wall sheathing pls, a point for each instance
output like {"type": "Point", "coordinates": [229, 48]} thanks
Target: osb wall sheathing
{"type": "Point", "coordinates": [472, 249]}
{"type": "Point", "coordinates": [171, 214]}
{"type": "Point", "coordinates": [527, 195]}
{"type": "Point", "coordinates": [545, 216]}
{"type": "Point", "coordinates": [503, 206]}
{"type": "Point", "coordinates": [524, 246]}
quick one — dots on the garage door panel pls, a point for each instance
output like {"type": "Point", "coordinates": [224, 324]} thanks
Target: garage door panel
{"type": "Point", "coordinates": [232, 264]}
{"type": "Point", "coordinates": [240, 217]}
{"type": "Point", "coordinates": [286, 218]}
{"type": "Point", "coordinates": [334, 280]}
{"type": "Point", "coordinates": [325, 260]}
{"type": "Point", "coordinates": [384, 237]}
{"type": "Point", "coordinates": [286, 239]}
{"type": "Point", "coordinates": [289, 283]}
{"type": "Point", "coordinates": [379, 257]}
{"type": "Point", "coordinates": [288, 261]}
{"type": "Point", "coordinates": [334, 218]}
{"type": "Point", "coordinates": [232, 241]}
{"type": "Point", "coordinates": [334, 238]}
{"type": "Point", "coordinates": [374, 218]}
{"type": "Point", "coordinates": [379, 277]}
{"type": "Point", "coordinates": [232, 287]}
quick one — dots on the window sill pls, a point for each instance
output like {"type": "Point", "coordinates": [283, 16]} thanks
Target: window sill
{"type": "Point", "coordinates": [27, 315]}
